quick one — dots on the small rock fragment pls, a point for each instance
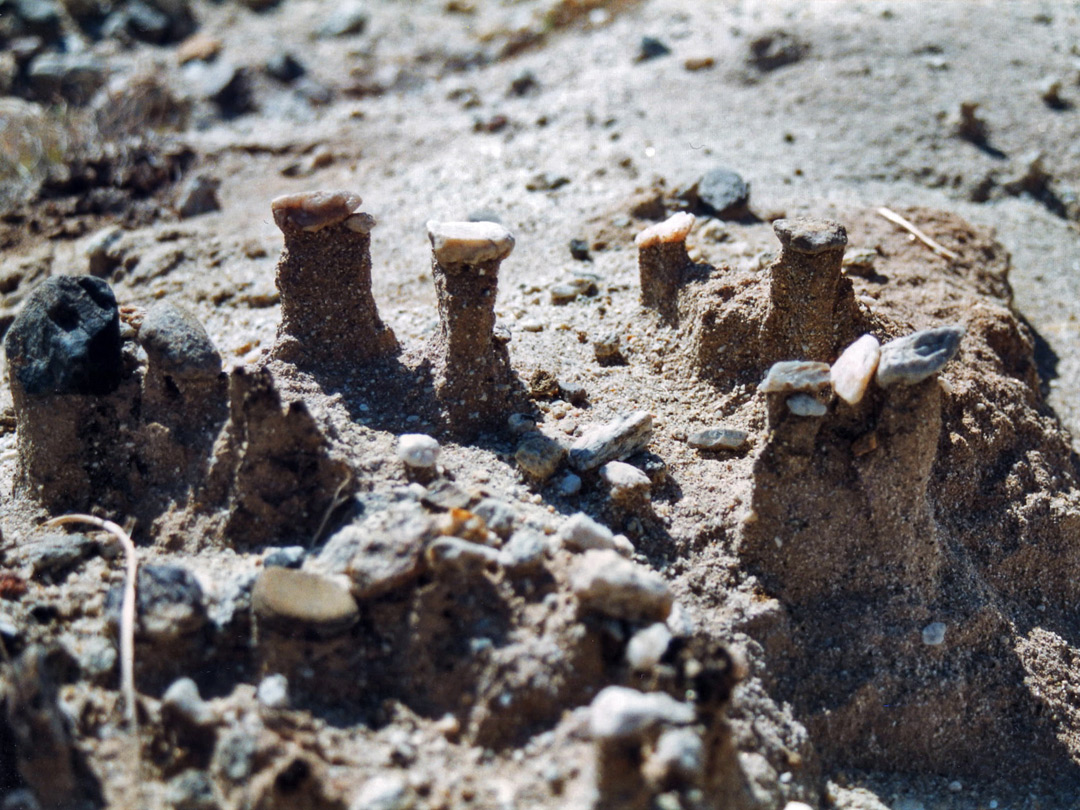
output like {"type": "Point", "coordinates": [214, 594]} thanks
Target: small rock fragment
{"type": "Point", "coordinates": [775, 49]}
{"type": "Point", "coordinates": [605, 582]}
{"type": "Point", "coordinates": [288, 557]}
{"type": "Point", "coordinates": [619, 713]}
{"type": "Point", "coordinates": [651, 48]}
{"type": "Point", "coordinates": [679, 753]}
{"type": "Point", "coordinates": [934, 634]}
{"type": "Point", "coordinates": [662, 258]}
{"type": "Point", "coordinates": [648, 646]}
{"type": "Point", "coordinates": [273, 692]}
{"type": "Point", "coordinates": [418, 450]}
{"type": "Point", "coordinates": [612, 441]}
{"type": "Point", "coordinates": [469, 242]}
{"type": "Point", "coordinates": [444, 496]}
{"type": "Point", "coordinates": [539, 456]}
{"type": "Point", "coordinates": [348, 19]}
{"type": "Point", "coordinates": [696, 63]}
{"type": "Point", "coordinates": [627, 484]}
{"type": "Point", "coordinates": [1050, 93]}
{"type": "Point", "coordinates": [176, 343]}
{"type": "Point", "coordinates": [384, 792]}
{"type": "Point", "coordinates": [580, 532]}
{"type": "Point", "coordinates": [569, 485]}
{"type": "Point", "coordinates": [720, 193]}
{"type": "Point", "coordinates": [292, 601]}
{"type": "Point", "coordinates": [860, 262]}
{"type": "Point", "coordinates": [498, 515]}
{"type": "Point", "coordinates": [546, 181]}
{"type": "Point", "coordinates": [198, 46]}
{"type": "Point", "coordinates": [790, 376]}
{"type": "Point", "coordinates": [854, 369]}
{"type": "Point", "coordinates": [719, 438]}
{"type": "Point", "coordinates": [103, 253]}
{"type": "Point", "coordinates": [805, 405]}
{"type": "Point", "coordinates": [969, 125]}
{"type": "Point", "coordinates": [169, 603]}
{"type": "Point", "coordinates": [55, 555]}
{"type": "Point", "coordinates": [566, 292]}
{"type": "Point", "coordinates": [198, 195]}
{"type": "Point", "coordinates": [285, 67]}
{"type": "Point", "coordinates": [382, 553]}
{"type": "Point", "coordinates": [183, 702]}
{"type": "Point", "coordinates": [191, 790]}
{"type": "Point", "coordinates": [453, 555]}
{"type": "Point", "coordinates": [524, 554]}
{"type": "Point", "coordinates": [911, 359]}
{"type": "Point", "coordinates": [607, 351]}
{"type": "Point", "coordinates": [579, 250]}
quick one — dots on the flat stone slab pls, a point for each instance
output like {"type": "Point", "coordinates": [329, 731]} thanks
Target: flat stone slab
{"type": "Point", "coordinates": [718, 438]}
{"type": "Point", "coordinates": [295, 601]}
{"type": "Point", "coordinates": [313, 210]}
{"type": "Point", "coordinates": [791, 376]}
{"type": "Point", "coordinates": [469, 242]}
{"type": "Point", "coordinates": [809, 235]}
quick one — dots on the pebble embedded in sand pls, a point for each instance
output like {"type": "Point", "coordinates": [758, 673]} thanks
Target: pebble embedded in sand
{"type": "Point", "coordinates": [539, 455]}
{"type": "Point", "coordinates": [648, 646]}
{"type": "Point", "coordinates": [605, 582]}
{"type": "Point", "coordinates": [313, 210]}
{"type": "Point", "coordinates": [720, 438]}
{"type": "Point", "coordinates": [176, 343]}
{"type": "Point", "coordinates": [934, 634]}
{"type": "Point", "coordinates": [294, 601]}
{"type": "Point", "coordinates": [791, 376]}
{"type": "Point", "coordinates": [581, 533]}
{"type": "Point", "coordinates": [911, 359]}
{"type": "Point", "coordinates": [805, 405]}
{"type": "Point", "coordinates": [854, 369]}
{"type": "Point", "coordinates": [626, 483]}
{"type": "Point", "coordinates": [608, 442]}
{"type": "Point", "coordinates": [469, 242]}
{"type": "Point", "coordinates": [454, 555]}
{"type": "Point", "coordinates": [418, 450]}
{"type": "Point", "coordinates": [621, 713]}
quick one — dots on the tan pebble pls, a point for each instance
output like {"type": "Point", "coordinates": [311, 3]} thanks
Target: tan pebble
{"type": "Point", "coordinates": [854, 369]}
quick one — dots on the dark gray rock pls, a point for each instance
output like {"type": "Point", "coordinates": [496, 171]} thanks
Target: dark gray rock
{"type": "Point", "coordinates": [169, 603]}
{"type": "Point", "coordinates": [177, 344]}
{"type": "Point", "coordinates": [775, 49]}
{"type": "Point", "coordinates": [720, 193]}
{"type": "Point", "coordinates": [651, 48]}
{"type": "Point", "coordinates": [579, 249]}
{"type": "Point", "coordinates": [911, 359]}
{"type": "Point", "coordinates": [445, 495]}
{"type": "Point", "coordinates": [38, 18]}
{"type": "Point", "coordinates": [66, 340]}
{"type": "Point", "coordinates": [288, 557]}
{"type": "Point", "coordinates": [198, 195]}
{"type": "Point", "coordinates": [158, 22]}
{"type": "Point", "coordinates": [498, 515]}
{"type": "Point", "coordinates": [285, 67]}
{"type": "Point", "coordinates": [71, 77]}
{"type": "Point", "coordinates": [55, 555]}
{"type": "Point", "coordinates": [349, 19]}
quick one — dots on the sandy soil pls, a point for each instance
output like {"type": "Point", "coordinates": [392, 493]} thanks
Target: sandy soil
{"type": "Point", "coordinates": [801, 571]}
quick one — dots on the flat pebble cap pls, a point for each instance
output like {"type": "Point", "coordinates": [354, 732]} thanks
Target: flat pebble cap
{"type": "Point", "coordinates": [469, 242]}
{"type": "Point", "coordinates": [673, 229]}
{"type": "Point", "coordinates": [809, 235]}
{"type": "Point", "coordinates": [313, 210]}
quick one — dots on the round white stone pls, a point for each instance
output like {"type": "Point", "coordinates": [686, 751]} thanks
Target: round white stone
{"type": "Point", "coordinates": [418, 450]}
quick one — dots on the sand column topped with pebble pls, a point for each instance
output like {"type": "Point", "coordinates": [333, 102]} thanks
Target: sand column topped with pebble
{"type": "Point", "coordinates": [470, 367]}
{"type": "Point", "coordinates": [662, 258]}
{"type": "Point", "coordinates": [805, 287]}
{"type": "Point", "coordinates": [328, 314]}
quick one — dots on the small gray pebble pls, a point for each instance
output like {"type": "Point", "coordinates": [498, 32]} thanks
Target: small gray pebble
{"type": "Point", "coordinates": [177, 344]}
{"type": "Point", "coordinates": [805, 405]}
{"type": "Point", "coordinates": [712, 439]}
{"type": "Point", "coordinates": [912, 359]}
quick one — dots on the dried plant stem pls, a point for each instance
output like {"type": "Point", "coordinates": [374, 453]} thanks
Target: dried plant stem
{"type": "Point", "coordinates": [335, 502]}
{"type": "Point", "coordinates": [127, 611]}
{"type": "Point", "coordinates": [908, 226]}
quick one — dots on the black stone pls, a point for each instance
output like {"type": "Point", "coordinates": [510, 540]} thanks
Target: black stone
{"type": "Point", "coordinates": [579, 249]}
{"type": "Point", "coordinates": [651, 48]}
{"type": "Point", "coordinates": [285, 67]}
{"type": "Point", "coordinates": [177, 344]}
{"type": "Point", "coordinates": [169, 602]}
{"type": "Point", "coordinates": [66, 340]}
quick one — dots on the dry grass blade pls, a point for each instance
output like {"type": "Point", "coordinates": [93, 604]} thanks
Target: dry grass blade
{"type": "Point", "coordinates": [911, 228]}
{"type": "Point", "coordinates": [127, 611]}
